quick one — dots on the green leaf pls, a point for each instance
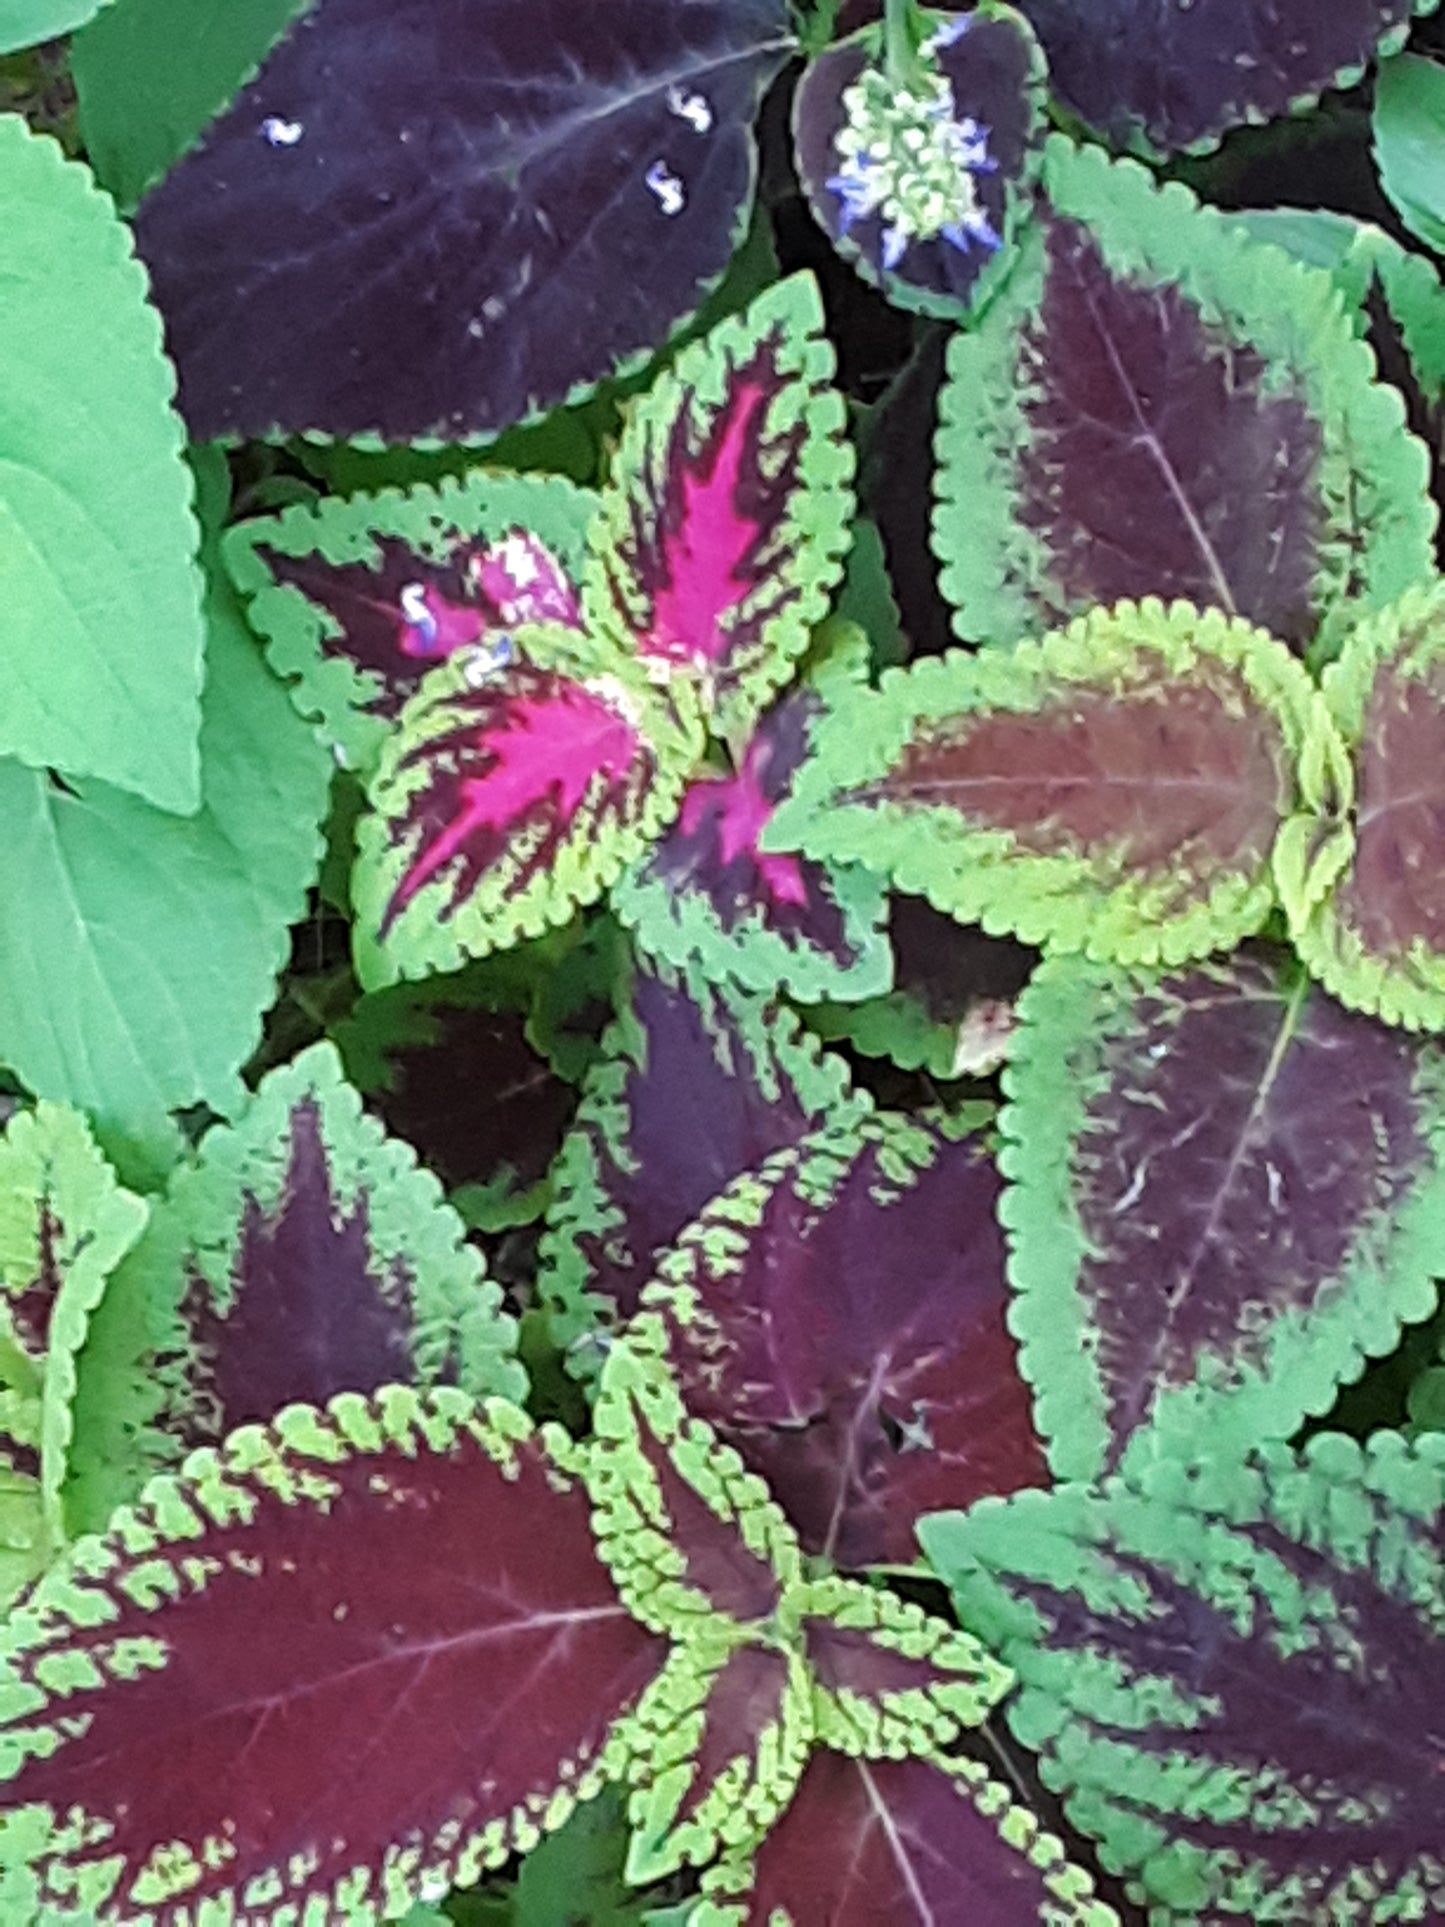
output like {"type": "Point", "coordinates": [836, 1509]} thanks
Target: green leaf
{"type": "Point", "coordinates": [576, 1874]}
{"type": "Point", "coordinates": [1117, 788]}
{"type": "Point", "coordinates": [150, 74]}
{"type": "Point", "coordinates": [1410, 142]}
{"type": "Point", "coordinates": [138, 950]}
{"type": "Point", "coordinates": [1232, 1671]}
{"type": "Point", "coordinates": [24, 23]}
{"type": "Point", "coordinates": [101, 671]}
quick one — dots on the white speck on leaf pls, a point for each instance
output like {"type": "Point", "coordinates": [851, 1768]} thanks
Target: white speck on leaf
{"type": "Point", "coordinates": [692, 108]}
{"type": "Point", "coordinates": [665, 186]}
{"type": "Point", "coordinates": [281, 133]}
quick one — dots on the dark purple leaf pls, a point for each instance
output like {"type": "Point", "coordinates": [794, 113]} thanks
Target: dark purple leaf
{"type": "Point", "coordinates": [1234, 1672]}
{"type": "Point", "coordinates": [915, 1843]}
{"type": "Point", "coordinates": [1165, 78]}
{"type": "Point", "coordinates": [853, 1348]}
{"type": "Point", "coordinates": [436, 217]}
{"type": "Point", "coordinates": [1224, 1192]}
{"type": "Point", "coordinates": [361, 1658]}
{"type": "Point", "coordinates": [991, 67]}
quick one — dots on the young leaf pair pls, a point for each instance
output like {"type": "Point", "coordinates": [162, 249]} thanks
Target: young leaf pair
{"type": "Point", "coordinates": [1149, 784]}
{"type": "Point", "coordinates": [538, 671]}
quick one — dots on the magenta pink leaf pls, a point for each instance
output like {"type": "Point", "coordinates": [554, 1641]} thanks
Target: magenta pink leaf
{"type": "Point", "coordinates": [344, 1656]}
{"type": "Point", "coordinates": [839, 1317]}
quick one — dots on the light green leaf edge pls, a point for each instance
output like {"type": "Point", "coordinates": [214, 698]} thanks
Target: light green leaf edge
{"type": "Point", "coordinates": [980, 875]}
{"type": "Point", "coordinates": [1409, 110]}
{"type": "Point", "coordinates": [123, 1394]}
{"type": "Point", "coordinates": [630, 1518]}
{"type": "Point", "coordinates": [103, 664]}
{"type": "Point", "coordinates": [915, 1719]}
{"type": "Point", "coordinates": [777, 1050]}
{"type": "Point", "coordinates": [728, 1886]}
{"type": "Point", "coordinates": [896, 287]}
{"type": "Point", "coordinates": [1070, 1016]}
{"type": "Point", "coordinates": [482, 506]}
{"type": "Point", "coordinates": [1408, 990]}
{"type": "Point", "coordinates": [583, 867]}
{"type": "Point", "coordinates": [25, 23]}
{"type": "Point", "coordinates": [49, 1165]}
{"type": "Point", "coordinates": [1360, 1506]}
{"type": "Point", "coordinates": [26, 1541]}
{"type": "Point", "coordinates": [895, 1026]}
{"type": "Point", "coordinates": [1374, 475]}
{"type": "Point", "coordinates": [816, 531]}
{"type": "Point", "coordinates": [288, 1457]}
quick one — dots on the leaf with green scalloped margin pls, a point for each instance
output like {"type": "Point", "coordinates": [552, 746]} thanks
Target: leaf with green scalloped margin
{"type": "Point", "coordinates": [65, 1224]}
{"type": "Point", "coordinates": [1153, 406]}
{"type": "Point", "coordinates": [1227, 1193]}
{"type": "Point", "coordinates": [504, 801]}
{"type": "Point", "coordinates": [1117, 788]}
{"type": "Point", "coordinates": [695, 1085]}
{"type": "Point", "coordinates": [352, 1658]}
{"type": "Point", "coordinates": [357, 599]}
{"type": "Point", "coordinates": [913, 1842]}
{"type": "Point", "coordinates": [1174, 79]}
{"type": "Point", "coordinates": [1377, 938]}
{"type": "Point", "coordinates": [1233, 1671]}
{"type": "Point", "coordinates": [982, 70]}
{"type": "Point", "coordinates": [723, 527]}
{"type": "Point", "coordinates": [449, 1066]}
{"type": "Point", "coordinates": [138, 950]}
{"type": "Point", "coordinates": [101, 672]}
{"type": "Point", "coordinates": [706, 898]}
{"type": "Point", "coordinates": [300, 1254]}
{"type": "Point", "coordinates": [950, 1012]}
{"type": "Point", "coordinates": [838, 1314]}
{"type": "Point", "coordinates": [150, 74]}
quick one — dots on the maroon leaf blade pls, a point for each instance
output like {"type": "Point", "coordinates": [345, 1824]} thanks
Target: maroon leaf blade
{"type": "Point", "coordinates": [1378, 939]}
{"type": "Point", "coordinates": [1227, 1193]}
{"type": "Point", "coordinates": [692, 1090]}
{"type": "Point", "coordinates": [983, 82]}
{"type": "Point", "coordinates": [297, 1674]}
{"type": "Point", "coordinates": [838, 1316]}
{"type": "Point", "coordinates": [504, 800]}
{"type": "Point", "coordinates": [302, 1254]}
{"type": "Point", "coordinates": [428, 219]}
{"type": "Point", "coordinates": [913, 1842]}
{"type": "Point", "coordinates": [1154, 407]}
{"type": "Point", "coordinates": [722, 532]}
{"type": "Point", "coordinates": [357, 599]}
{"type": "Point", "coordinates": [1167, 80]}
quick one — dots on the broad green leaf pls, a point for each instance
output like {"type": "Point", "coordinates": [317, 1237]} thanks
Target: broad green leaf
{"type": "Point", "coordinates": [357, 599]}
{"type": "Point", "coordinates": [1154, 407]}
{"type": "Point", "coordinates": [65, 1225]}
{"type": "Point", "coordinates": [333, 1666]}
{"type": "Point", "coordinates": [150, 74]}
{"type": "Point", "coordinates": [100, 671]}
{"type": "Point", "coordinates": [300, 1254]}
{"type": "Point", "coordinates": [1117, 788]}
{"type": "Point", "coordinates": [138, 950]}
{"type": "Point", "coordinates": [24, 23]}
{"type": "Point", "coordinates": [1377, 937]}
{"type": "Point", "coordinates": [1409, 132]}
{"type": "Point", "coordinates": [1233, 1672]}
{"type": "Point", "coordinates": [1227, 1193]}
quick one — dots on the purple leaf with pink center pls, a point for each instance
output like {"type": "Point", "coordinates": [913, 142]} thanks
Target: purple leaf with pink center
{"type": "Point", "coordinates": [838, 1316]}
{"type": "Point", "coordinates": [913, 1842]}
{"type": "Point", "coordinates": [722, 531]}
{"type": "Point", "coordinates": [357, 599]}
{"type": "Point", "coordinates": [708, 898]}
{"type": "Point", "coordinates": [356, 1654]}
{"type": "Point", "coordinates": [504, 801]}
{"type": "Point", "coordinates": [1228, 1192]}
{"type": "Point", "coordinates": [427, 220]}
{"type": "Point", "coordinates": [977, 110]}
{"type": "Point", "coordinates": [693, 1089]}
{"type": "Point", "coordinates": [302, 1254]}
